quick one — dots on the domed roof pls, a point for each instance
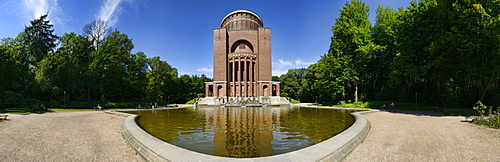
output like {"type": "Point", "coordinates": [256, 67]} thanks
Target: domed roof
{"type": "Point", "coordinates": [242, 15]}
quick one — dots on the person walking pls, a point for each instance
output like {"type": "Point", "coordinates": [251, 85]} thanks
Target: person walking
{"type": "Point", "coordinates": [393, 107]}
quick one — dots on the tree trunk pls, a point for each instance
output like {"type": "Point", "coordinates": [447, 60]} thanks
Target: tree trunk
{"type": "Point", "coordinates": [356, 92]}
{"type": "Point", "coordinates": [486, 83]}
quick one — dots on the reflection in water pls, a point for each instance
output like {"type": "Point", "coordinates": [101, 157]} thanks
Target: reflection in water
{"type": "Point", "coordinates": [244, 132]}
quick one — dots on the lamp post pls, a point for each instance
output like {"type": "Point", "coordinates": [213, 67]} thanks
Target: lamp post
{"type": "Point", "coordinates": [416, 99]}
{"type": "Point", "coordinates": [64, 99]}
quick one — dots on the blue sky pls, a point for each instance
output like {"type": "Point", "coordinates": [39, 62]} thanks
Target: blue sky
{"type": "Point", "coordinates": [180, 31]}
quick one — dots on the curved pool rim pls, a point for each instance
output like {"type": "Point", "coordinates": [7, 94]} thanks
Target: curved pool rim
{"type": "Point", "coordinates": [335, 148]}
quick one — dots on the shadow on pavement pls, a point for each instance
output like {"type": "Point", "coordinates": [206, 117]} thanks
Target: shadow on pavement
{"type": "Point", "coordinates": [417, 113]}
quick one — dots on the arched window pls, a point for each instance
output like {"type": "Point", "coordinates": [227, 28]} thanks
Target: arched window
{"type": "Point", "coordinates": [242, 46]}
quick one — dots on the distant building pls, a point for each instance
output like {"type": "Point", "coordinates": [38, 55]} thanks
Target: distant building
{"type": "Point", "coordinates": [242, 61]}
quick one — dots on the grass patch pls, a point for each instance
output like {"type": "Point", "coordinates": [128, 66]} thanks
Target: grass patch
{"type": "Point", "coordinates": [113, 109]}
{"type": "Point", "coordinates": [21, 113]}
{"type": "Point", "coordinates": [460, 112]}
{"type": "Point", "coordinates": [193, 100]}
{"type": "Point", "coordinates": [292, 100]}
{"type": "Point", "coordinates": [377, 104]}
{"type": "Point", "coordinates": [408, 106]}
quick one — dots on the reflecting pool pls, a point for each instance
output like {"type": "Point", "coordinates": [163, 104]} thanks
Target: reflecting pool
{"type": "Point", "coordinates": [244, 132]}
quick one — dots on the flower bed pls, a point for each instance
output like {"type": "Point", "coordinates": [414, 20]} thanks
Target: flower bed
{"type": "Point", "coordinates": [492, 120]}
{"type": "Point", "coordinates": [489, 121]}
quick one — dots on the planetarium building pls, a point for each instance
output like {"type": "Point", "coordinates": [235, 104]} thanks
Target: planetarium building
{"type": "Point", "coordinates": [242, 63]}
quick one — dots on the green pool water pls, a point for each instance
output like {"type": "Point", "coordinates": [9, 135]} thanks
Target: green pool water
{"type": "Point", "coordinates": [244, 132]}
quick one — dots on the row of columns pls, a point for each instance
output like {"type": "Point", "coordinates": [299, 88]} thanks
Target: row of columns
{"type": "Point", "coordinates": [242, 76]}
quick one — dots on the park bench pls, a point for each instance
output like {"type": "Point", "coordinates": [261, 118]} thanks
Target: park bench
{"type": "Point", "coordinates": [467, 119]}
{"type": "Point", "coordinates": [3, 116]}
{"type": "Point", "coordinates": [98, 108]}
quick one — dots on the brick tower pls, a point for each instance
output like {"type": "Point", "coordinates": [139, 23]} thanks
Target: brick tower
{"type": "Point", "coordinates": [242, 61]}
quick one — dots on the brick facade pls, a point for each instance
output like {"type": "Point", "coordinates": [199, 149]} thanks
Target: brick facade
{"type": "Point", "coordinates": [242, 58]}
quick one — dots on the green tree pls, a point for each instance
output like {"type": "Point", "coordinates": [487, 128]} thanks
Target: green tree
{"type": "Point", "coordinates": [350, 51]}
{"type": "Point", "coordinates": [21, 72]}
{"type": "Point", "coordinates": [314, 90]}
{"type": "Point", "coordinates": [293, 83]}
{"type": "Point", "coordinates": [9, 68]}
{"type": "Point", "coordinates": [448, 50]}
{"type": "Point", "coordinates": [161, 80]}
{"type": "Point", "coordinates": [97, 31]}
{"type": "Point", "coordinates": [64, 71]}
{"type": "Point", "coordinates": [379, 86]}
{"type": "Point", "coordinates": [108, 69]}
{"type": "Point", "coordinates": [137, 69]}
{"type": "Point", "coordinates": [39, 39]}
{"type": "Point", "coordinates": [198, 85]}
{"type": "Point", "coordinates": [474, 32]}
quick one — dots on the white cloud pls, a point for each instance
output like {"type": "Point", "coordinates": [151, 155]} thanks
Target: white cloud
{"type": "Point", "coordinates": [33, 9]}
{"type": "Point", "coordinates": [180, 73]}
{"type": "Point", "coordinates": [301, 63]}
{"type": "Point", "coordinates": [37, 7]}
{"type": "Point", "coordinates": [283, 63]}
{"type": "Point", "coordinates": [282, 66]}
{"type": "Point", "coordinates": [205, 70]}
{"type": "Point", "coordinates": [110, 11]}
{"type": "Point", "coordinates": [279, 72]}
{"type": "Point", "coordinates": [208, 71]}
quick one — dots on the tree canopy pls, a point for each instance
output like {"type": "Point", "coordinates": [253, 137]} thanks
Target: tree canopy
{"type": "Point", "coordinates": [98, 66]}
{"type": "Point", "coordinates": [442, 52]}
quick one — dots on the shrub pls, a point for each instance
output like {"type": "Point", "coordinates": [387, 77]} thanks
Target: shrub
{"type": "Point", "coordinates": [480, 108]}
{"type": "Point", "coordinates": [292, 100]}
{"type": "Point", "coordinates": [491, 121]}
{"type": "Point", "coordinates": [193, 100]}
{"type": "Point", "coordinates": [9, 99]}
{"type": "Point", "coordinates": [459, 112]}
{"type": "Point", "coordinates": [55, 103]}
{"type": "Point", "coordinates": [120, 104]}
{"type": "Point", "coordinates": [360, 104]}
{"type": "Point", "coordinates": [34, 104]}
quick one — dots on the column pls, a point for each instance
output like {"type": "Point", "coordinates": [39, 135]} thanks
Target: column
{"type": "Point", "coordinates": [229, 78]}
{"type": "Point", "coordinates": [277, 89]}
{"type": "Point", "coordinates": [251, 77]}
{"type": "Point", "coordinates": [242, 67]}
{"type": "Point", "coordinates": [233, 73]}
{"type": "Point", "coordinates": [245, 78]}
{"type": "Point", "coordinates": [237, 81]}
{"type": "Point", "coordinates": [206, 90]}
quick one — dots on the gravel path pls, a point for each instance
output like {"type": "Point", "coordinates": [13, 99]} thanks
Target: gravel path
{"type": "Point", "coordinates": [64, 136]}
{"type": "Point", "coordinates": [410, 136]}
{"type": "Point", "coordinates": [96, 136]}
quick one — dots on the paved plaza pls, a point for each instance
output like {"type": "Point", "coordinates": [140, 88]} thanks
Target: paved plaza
{"type": "Point", "coordinates": [96, 136]}
{"type": "Point", "coordinates": [426, 136]}
{"type": "Point", "coordinates": [64, 136]}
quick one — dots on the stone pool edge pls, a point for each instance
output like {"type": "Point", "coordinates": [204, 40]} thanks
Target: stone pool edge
{"type": "Point", "coordinates": [336, 148]}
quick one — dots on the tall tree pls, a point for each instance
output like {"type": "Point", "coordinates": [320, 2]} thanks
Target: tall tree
{"type": "Point", "coordinates": [351, 49]}
{"type": "Point", "coordinates": [384, 34]}
{"type": "Point", "coordinates": [293, 83]}
{"type": "Point", "coordinates": [97, 31]}
{"type": "Point", "coordinates": [65, 70]}
{"type": "Point", "coordinates": [40, 39]}
{"type": "Point", "coordinates": [161, 80]}
{"type": "Point", "coordinates": [10, 71]}
{"type": "Point", "coordinates": [474, 32]}
{"type": "Point", "coordinates": [449, 50]}
{"type": "Point", "coordinates": [108, 66]}
{"type": "Point", "coordinates": [137, 68]}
